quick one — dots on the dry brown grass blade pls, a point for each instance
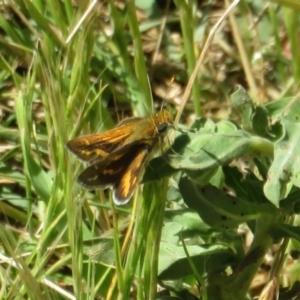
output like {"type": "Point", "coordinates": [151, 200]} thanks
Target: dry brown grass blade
{"type": "Point", "coordinates": [200, 60]}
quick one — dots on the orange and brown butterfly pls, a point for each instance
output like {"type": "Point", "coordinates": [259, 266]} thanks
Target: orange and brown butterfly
{"type": "Point", "coordinates": [118, 156]}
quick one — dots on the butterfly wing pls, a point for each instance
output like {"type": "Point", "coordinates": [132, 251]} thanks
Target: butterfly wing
{"type": "Point", "coordinates": [92, 147]}
{"type": "Point", "coordinates": [125, 187]}
{"type": "Point", "coordinates": [121, 171]}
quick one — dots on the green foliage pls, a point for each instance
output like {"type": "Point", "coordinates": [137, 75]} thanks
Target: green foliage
{"type": "Point", "coordinates": [254, 195]}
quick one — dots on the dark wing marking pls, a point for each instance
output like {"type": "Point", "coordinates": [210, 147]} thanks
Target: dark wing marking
{"type": "Point", "coordinates": [120, 170]}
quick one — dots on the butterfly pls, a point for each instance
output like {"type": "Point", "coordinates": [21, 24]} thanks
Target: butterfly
{"type": "Point", "coordinates": [117, 157]}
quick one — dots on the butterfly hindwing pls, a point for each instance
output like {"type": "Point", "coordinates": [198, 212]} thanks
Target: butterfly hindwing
{"type": "Point", "coordinates": [121, 171]}
{"type": "Point", "coordinates": [123, 189]}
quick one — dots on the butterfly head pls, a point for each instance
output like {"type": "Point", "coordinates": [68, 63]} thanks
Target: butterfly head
{"type": "Point", "coordinates": [164, 121]}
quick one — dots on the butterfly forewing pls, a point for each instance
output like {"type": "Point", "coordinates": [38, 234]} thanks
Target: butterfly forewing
{"type": "Point", "coordinates": [94, 146]}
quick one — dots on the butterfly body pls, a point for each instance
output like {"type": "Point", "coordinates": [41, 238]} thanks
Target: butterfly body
{"type": "Point", "coordinates": [117, 157]}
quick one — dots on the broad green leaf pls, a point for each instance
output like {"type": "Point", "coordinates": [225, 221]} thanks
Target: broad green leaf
{"type": "Point", "coordinates": [173, 263]}
{"type": "Point", "coordinates": [248, 187]}
{"type": "Point", "coordinates": [215, 207]}
{"type": "Point", "coordinates": [207, 150]}
{"type": "Point", "coordinates": [187, 219]}
{"type": "Point", "coordinates": [214, 145]}
{"type": "Point", "coordinates": [285, 168]}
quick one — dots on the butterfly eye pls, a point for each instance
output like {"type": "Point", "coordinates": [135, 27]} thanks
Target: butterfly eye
{"type": "Point", "coordinates": [162, 127]}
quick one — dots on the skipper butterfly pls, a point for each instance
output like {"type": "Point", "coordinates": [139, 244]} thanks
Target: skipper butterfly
{"type": "Point", "coordinates": [117, 157]}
